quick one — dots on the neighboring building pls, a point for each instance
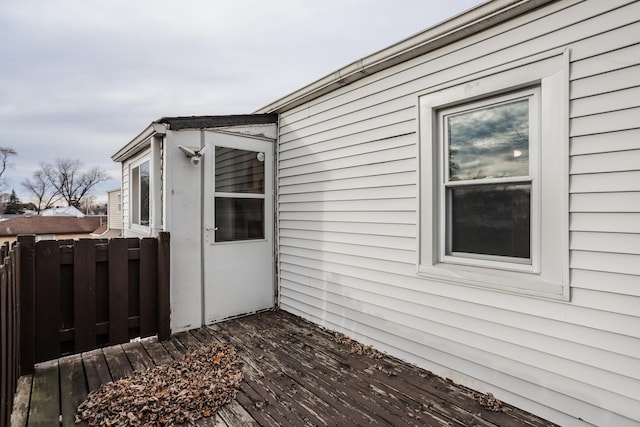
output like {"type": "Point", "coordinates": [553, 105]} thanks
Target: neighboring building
{"type": "Point", "coordinates": [466, 200]}
{"type": "Point", "coordinates": [113, 226]}
{"type": "Point", "coordinates": [50, 227]}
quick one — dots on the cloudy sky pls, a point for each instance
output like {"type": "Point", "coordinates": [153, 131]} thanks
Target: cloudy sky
{"type": "Point", "coordinates": [79, 78]}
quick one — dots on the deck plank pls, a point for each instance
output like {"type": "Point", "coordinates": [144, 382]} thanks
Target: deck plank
{"type": "Point", "coordinates": [73, 388]}
{"type": "Point", "coordinates": [96, 369]}
{"type": "Point", "coordinates": [188, 340]}
{"type": "Point", "coordinates": [20, 408]}
{"type": "Point", "coordinates": [235, 415]}
{"type": "Point", "coordinates": [45, 395]}
{"type": "Point", "coordinates": [158, 353]}
{"type": "Point", "coordinates": [117, 362]}
{"type": "Point", "coordinates": [138, 357]}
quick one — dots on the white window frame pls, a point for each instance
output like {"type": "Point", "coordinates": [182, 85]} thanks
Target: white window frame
{"type": "Point", "coordinates": [548, 274]}
{"type": "Point", "coordinates": [134, 196]}
{"type": "Point", "coordinates": [531, 264]}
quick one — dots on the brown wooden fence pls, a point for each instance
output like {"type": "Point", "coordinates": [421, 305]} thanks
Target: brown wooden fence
{"type": "Point", "coordinates": [9, 329]}
{"type": "Point", "coordinates": [91, 293]}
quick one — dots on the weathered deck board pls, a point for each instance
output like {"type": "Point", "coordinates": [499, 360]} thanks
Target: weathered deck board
{"type": "Point", "coordinates": [117, 361]}
{"type": "Point", "coordinates": [73, 388]}
{"type": "Point", "coordinates": [295, 374]}
{"type": "Point", "coordinates": [20, 409]}
{"type": "Point", "coordinates": [96, 369]}
{"type": "Point", "coordinates": [45, 395]}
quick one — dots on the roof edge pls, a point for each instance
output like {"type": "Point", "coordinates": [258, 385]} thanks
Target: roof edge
{"type": "Point", "coordinates": [135, 144]}
{"type": "Point", "coordinates": [459, 26]}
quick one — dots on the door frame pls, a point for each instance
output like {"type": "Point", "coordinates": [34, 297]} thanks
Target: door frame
{"type": "Point", "coordinates": [247, 142]}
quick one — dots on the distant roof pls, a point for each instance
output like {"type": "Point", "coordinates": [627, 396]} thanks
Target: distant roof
{"type": "Point", "coordinates": [203, 122]}
{"type": "Point", "coordinates": [65, 211]}
{"type": "Point", "coordinates": [50, 225]}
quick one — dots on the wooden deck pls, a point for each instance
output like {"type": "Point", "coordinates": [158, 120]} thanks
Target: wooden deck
{"type": "Point", "coordinates": [296, 374]}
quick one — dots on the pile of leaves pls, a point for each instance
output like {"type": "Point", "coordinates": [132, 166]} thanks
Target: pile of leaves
{"type": "Point", "coordinates": [357, 348]}
{"type": "Point", "coordinates": [184, 391]}
{"type": "Point", "coordinates": [488, 401]}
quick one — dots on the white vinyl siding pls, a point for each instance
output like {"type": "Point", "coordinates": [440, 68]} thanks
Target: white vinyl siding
{"type": "Point", "coordinates": [347, 223]}
{"type": "Point", "coordinates": [115, 206]}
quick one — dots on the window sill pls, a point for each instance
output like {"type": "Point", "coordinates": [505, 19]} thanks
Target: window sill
{"type": "Point", "coordinates": [502, 280]}
{"type": "Point", "coordinates": [140, 228]}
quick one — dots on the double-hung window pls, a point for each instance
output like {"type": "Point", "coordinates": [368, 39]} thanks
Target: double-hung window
{"type": "Point", "coordinates": [494, 178]}
{"type": "Point", "coordinates": [488, 181]}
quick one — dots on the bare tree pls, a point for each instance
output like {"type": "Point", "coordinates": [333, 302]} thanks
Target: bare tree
{"type": "Point", "coordinates": [65, 180]}
{"type": "Point", "coordinates": [5, 153]}
{"type": "Point", "coordinates": [42, 189]}
{"type": "Point", "coordinates": [72, 183]}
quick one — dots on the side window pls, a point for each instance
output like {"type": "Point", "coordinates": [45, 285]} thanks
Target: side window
{"type": "Point", "coordinates": [487, 179]}
{"type": "Point", "coordinates": [494, 179]}
{"type": "Point", "coordinates": [140, 194]}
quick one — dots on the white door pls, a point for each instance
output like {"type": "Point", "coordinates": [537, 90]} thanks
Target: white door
{"type": "Point", "coordinates": [238, 226]}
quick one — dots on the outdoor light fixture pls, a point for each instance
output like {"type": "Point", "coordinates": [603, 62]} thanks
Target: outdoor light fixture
{"type": "Point", "coordinates": [193, 153]}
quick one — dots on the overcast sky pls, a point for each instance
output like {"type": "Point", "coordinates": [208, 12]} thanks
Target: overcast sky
{"type": "Point", "coordinates": [79, 79]}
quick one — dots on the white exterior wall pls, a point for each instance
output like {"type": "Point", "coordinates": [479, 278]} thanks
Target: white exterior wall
{"type": "Point", "coordinates": [347, 223]}
{"type": "Point", "coordinates": [182, 210]}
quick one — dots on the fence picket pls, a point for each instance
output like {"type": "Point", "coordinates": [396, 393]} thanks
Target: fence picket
{"type": "Point", "coordinates": [27, 246]}
{"type": "Point", "coordinates": [84, 295]}
{"type": "Point", "coordinates": [47, 300]}
{"type": "Point", "coordinates": [148, 287]}
{"type": "Point", "coordinates": [118, 291]}
{"type": "Point", "coordinates": [4, 329]}
{"type": "Point", "coordinates": [164, 281]}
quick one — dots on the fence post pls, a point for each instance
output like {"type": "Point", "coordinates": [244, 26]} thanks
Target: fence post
{"type": "Point", "coordinates": [164, 283]}
{"type": "Point", "coordinates": [27, 302]}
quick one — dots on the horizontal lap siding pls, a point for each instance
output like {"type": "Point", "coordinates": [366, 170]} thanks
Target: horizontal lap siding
{"type": "Point", "coordinates": [347, 194]}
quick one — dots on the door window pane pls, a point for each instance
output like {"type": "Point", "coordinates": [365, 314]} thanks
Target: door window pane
{"type": "Point", "coordinates": [491, 220]}
{"type": "Point", "coordinates": [239, 219]}
{"type": "Point", "coordinates": [490, 142]}
{"type": "Point", "coordinates": [239, 171]}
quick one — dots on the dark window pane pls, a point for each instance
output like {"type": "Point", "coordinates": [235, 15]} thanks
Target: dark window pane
{"type": "Point", "coordinates": [239, 219]}
{"type": "Point", "coordinates": [490, 142]}
{"type": "Point", "coordinates": [491, 220]}
{"type": "Point", "coordinates": [140, 194]}
{"type": "Point", "coordinates": [239, 171]}
{"type": "Point", "coordinates": [135, 196]}
{"type": "Point", "coordinates": [144, 193]}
